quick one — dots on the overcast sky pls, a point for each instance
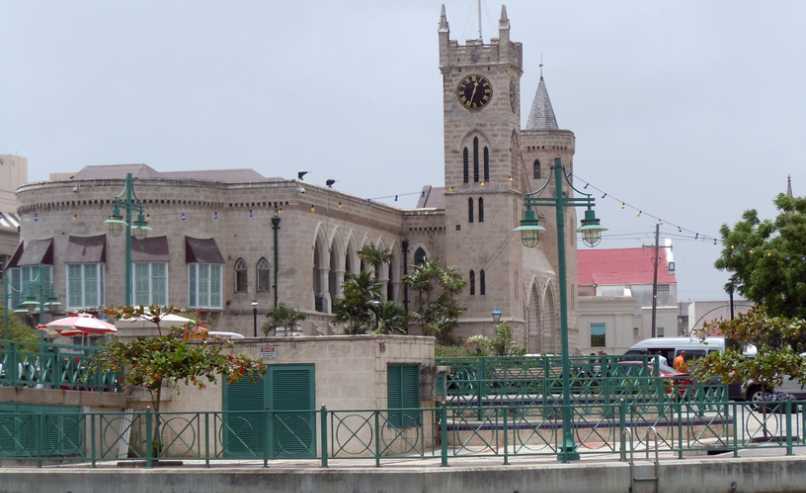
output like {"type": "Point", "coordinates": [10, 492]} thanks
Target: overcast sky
{"type": "Point", "coordinates": [692, 110]}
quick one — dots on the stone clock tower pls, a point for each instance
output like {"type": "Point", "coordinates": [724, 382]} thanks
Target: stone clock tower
{"type": "Point", "coordinates": [483, 173]}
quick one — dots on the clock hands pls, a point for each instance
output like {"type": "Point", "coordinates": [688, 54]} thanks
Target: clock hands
{"type": "Point", "coordinates": [473, 95]}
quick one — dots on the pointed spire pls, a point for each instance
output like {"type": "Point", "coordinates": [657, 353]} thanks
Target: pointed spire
{"type": "Point", "coordinates": [789, 186]}
{"type": "Point", "coordinates": [443, 20]}
{"type": "Point", "coordinates": [503, 22]}
{"type": "Point", "coordinates": [541, 116]}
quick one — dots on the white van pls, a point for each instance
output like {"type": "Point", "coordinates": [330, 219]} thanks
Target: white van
{"type": "Point", "coordinates": [670, 347]}
{"type": "Point", "coordinates": [694, 347]}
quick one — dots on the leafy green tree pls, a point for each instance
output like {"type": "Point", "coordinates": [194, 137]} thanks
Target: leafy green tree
{"type": "Point", "coordinates": [374, 256]}
{"type": "Point", "coordinates": [282, 316]}
{"type": "Point", "coordinates": [779, 342]}
{"type": "Point", "coordinates": [19, 334]}
{"type": "Point", "coordinates": [437, 309]}
{"type": "Point", "coordinates": [151, 363]}
{"type": "Point", "coordinates": [768, 257]}
{"type": "Point", "coordinates": [502, 344]}
{"type": "Point", "coordinates": [360, 294]}
{"type": "Point", "coordinates": [362, 306]}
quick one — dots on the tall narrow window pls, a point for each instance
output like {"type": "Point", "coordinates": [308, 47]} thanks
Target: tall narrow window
{"type": "Point", "coordinates": [472, 283]}
{"type": "Point", "coordinates": [262, 275]}
{"type": "Point", "coordinates": [241, 276]}
{"type": "Point", "coordinates": [481, 209]}
{"type": "Point", "coordinates": [486, 163]}
{"type": "Point", "coordinates": [536, 169]}
{"type": "Point", "coordinates": [390, 283]}
{"type": "Point", "coordinates": [466, 165]}
{"type": "Point", "coordinates": [470, 209]}
{"type": "Point", "coordinates": [476, 159]}
{"type": "Point", "coordinates": [482, 283]}
{"type": "Point", "coordinates": [419, 256]}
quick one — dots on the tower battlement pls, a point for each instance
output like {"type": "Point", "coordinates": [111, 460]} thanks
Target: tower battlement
{"type": "Point", "coordinates": [475, 52]}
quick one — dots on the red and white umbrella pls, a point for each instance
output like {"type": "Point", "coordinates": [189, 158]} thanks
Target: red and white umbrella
{"type": "Point", "coordinates": [82, 324]}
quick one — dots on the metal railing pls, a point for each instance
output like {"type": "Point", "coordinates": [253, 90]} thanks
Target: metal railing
{"type": "Point", "coordinates": [442, 434]}
{"type": "Point", "coordinates": [52, 366]}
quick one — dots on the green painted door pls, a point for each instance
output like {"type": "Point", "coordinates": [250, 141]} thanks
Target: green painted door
{"type": "Point", "coordinates": [291, 400]}
{"type": "Point", "coordinates": [275, 411]}
{"type": "Point", "coordinates": [243, 419]}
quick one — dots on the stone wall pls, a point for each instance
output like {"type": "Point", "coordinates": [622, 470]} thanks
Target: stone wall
{"type": "Point", "coordinates": [350, 370]}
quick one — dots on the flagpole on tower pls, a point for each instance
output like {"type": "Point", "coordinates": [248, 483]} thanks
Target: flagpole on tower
{"type": "Point", "coordinates": [478, 4]}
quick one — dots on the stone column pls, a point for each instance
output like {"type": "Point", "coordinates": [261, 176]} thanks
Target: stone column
{"type": "Point", "coordinates": [325, 286]}
{"type": "Point", "coordinates": [339, 283]}
{"type": "Point", "coordinates": [383, 279]}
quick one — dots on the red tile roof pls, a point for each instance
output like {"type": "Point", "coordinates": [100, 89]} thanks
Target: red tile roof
{"type": "Point", "coordinates": [621, 266]}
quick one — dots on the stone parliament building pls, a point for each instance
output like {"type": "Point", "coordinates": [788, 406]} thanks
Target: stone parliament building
{"type": "Point", "coordinates": [213, 247]}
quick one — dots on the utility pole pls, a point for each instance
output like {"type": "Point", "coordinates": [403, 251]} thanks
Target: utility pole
{"type": "Point", "coordinates": [655, 278]}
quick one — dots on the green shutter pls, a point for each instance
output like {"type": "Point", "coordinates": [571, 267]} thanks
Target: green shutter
{"type": "Point", "coordinates": [403, 392]}
{"type": "Point", "coordinates": [27, 431]}
{"type": "Point", "coordinates": [244, 431]}
{"type": "Point", "coordinates": [292, 389]}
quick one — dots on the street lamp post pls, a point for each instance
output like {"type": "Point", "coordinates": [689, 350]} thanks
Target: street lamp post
{"type": "Point", "coordinates": [39, 297]}
{"type": "Point", "coordinates": [254, 317]}
{"type": "Point", "coordinates": [129, 202]}
{"type": "Point", "coordinates": [591, 231]}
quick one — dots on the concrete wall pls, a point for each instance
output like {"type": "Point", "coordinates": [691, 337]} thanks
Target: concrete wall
{"type": "Point", "coordinates": [620, 319]}
{"type": "Point", "coordinates": [772, 474]}
{"type": "Point", "coordinates": [350, 370]}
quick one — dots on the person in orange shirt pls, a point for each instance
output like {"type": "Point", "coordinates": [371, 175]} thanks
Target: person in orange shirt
{"type": "Point", "coordinates": [680, 362]}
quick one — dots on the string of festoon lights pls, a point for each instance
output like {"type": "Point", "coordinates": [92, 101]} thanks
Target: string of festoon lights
{"type": "Point", "coordinates": [671, 229]}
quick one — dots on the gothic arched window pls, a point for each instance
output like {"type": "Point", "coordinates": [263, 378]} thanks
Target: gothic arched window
{"type": "Point", "coordinates": [241, 276]}
{"type": "Point", "coordinates": [472, 283]}
{"type": "Point", "coordinates": [332, 289]}
{"type": "Point", "coordinates": [476, 159]}
{"type": "Point", "coordinates": [486, 163]}
{"type": "Point", "coordinates": [481, 209]}
{"type": "Point", "coordinates": [390, 282]}
{"type": "Point", "coordinates": [466, 165]}
{"type": "Point", "coordinates": [262, 278]}
{"type": "Point", "coordinates": [536, 169]}
{"type": "Point", "coordinates": [470, 209]}
{"type": "Point", "coordinates": [419, 256]}
{"type": "Point", "coordinates": [482, 283]}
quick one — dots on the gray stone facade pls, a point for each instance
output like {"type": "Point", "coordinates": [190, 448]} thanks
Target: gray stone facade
{"type": "Point", "coordinates": [321, 230]}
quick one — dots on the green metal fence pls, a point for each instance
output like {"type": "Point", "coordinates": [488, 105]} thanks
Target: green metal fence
{"type": "Point", "coordinates": [54, 366]}
{"type": "Point", "coordinates": [442, 434]}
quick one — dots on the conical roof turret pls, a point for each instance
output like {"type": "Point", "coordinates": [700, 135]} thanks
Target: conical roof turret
{"type": "Point", "coordinates": [541, 115]}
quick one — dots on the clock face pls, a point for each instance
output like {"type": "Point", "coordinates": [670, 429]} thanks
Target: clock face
{"type": "Point", "coordinates": [474, 92]}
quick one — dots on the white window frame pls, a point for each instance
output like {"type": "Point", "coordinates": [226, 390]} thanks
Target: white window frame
{"type": "Point", "coordinates": [151, 283]}
{"type": "Point", "coordinates": [99, 284]}
{"type": "Point", "coordinates": [195, 286]}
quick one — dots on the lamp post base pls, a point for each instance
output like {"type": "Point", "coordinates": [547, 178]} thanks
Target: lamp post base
{"type": "Point", "coordinates": [568, 453]}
